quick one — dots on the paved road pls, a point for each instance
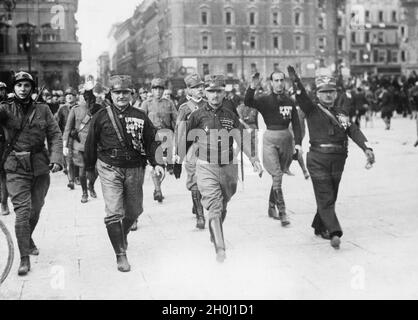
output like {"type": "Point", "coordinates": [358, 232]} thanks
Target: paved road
{"type": "Point", "coordinates": [172, 260]}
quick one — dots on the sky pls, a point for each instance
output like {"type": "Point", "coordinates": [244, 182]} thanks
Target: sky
{"type": "Point", "coordinates": [95, 18]}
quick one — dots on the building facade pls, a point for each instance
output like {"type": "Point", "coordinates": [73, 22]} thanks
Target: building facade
{"type": "Point", "coordinates": [233, 37]}
{"type": "Point", "coordinates": [409, 35]}
{"type": "Point", "coordinates": [41, 38]}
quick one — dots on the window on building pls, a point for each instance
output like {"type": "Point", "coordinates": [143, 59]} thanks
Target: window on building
{"type": "Point", "coordinates": [340, 44]}
{"type": "Point", "coordinates": [394, 56]}
{"type": "Point", "coordinates": [353, 56]}
{"type": "Point", "coordinates": [205, 68]}
{"type": "Point", "coordinates": [367, 37]}
{"type": "Point", "coordinates": [353, 37]}
{"type": "Point", "coordinates": [321, 24]}
{"type": "Point", "coordinates": [367, 16]}
{"type": "Point", "coordinates": [297, 18]}
{"type": "Point", "coordinates": [230, 68]}
{"type": "Point", "coordinates": [394, 16]}
{"type": "Point", "coordinates": [253, 68]}
{"type": "Point", "coordinates": [321, 43]}
{"type": "Point", "coordinates": [375, 55]}
{"type": "Point", "coordinates": [380, 37]}
{"type": "Point", "coordinates": [382, 56]}
{"type": "Point", "coordinates": [276, 44]}
{"type": "Point", "coordinates": [228, 18]}
{"type": "Point", "coordinates": [321, 4]}
{"type": "Point", "coordinates": [275, 18]}
{"type": "Point", "coordinates": [403, 31]}
{"type": "Point", "coordinates": [205, 42]}
{"type": "Point", "coordinates": [204, 17]}
{"type": "Point", "coordinates": [252, 18]}
{"type": "Point", "coordinates": [25, 37]}
{"type": "Point", "coordinates": [276, 67]}
{"type": "Point", "coordinates": [403, 56]}
{"type": "Point", "coordinates": [4, 35]}
{"type": "Point", "coordinates": [253, 42]}
{"type": "Point", "coordinates": [380, 16]}
{"type": "Point", "coordinates": [229, 43]}
{"type": "Point", "coordinates": [339, 21]}
{"type": "Point", "coordinates": [298, 43]}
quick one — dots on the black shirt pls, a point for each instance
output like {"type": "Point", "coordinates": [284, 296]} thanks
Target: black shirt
{"type": "Point", "coordinates": [103, 143]}
{"type": "Point", "coordinates": [277, 111]}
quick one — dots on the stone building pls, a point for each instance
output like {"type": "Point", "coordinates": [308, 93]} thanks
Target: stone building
{"type": "Point", "coordinates": [41, 38]}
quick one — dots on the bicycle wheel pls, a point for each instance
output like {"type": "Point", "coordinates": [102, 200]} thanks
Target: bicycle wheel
{"type": "Point", "coordinates": [5, 234]}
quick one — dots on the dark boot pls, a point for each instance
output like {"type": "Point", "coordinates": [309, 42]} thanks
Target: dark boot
{"type": "Point", "coordinates": [272, 206]}
{"type": "Point", "coordinates": [278, 195]}
{"type": "Point", "coordinates": [34, 251]}
{"type": "Point", "coordinates": [71, 185]}
{"type": "Point", "coordinates": [84, 197]}
{"type": "Point", "coordinates": [24, 267]}
{"type": "Point", "coordinates": [215, 227]}
{"type": "Point", "coordinates": [4, 210]}
{"type": "Point", "coordinates": [92, 192]}
{"type": "Point", "coordinates": [335, 242]}
{"type": "Point", "coordinates": [158, 196]}
{"type": "Point", "coordinates": [117, 238]}
{"type": "Point", "coordinates": [200, 215]}
{"type": "Point", "coordinates": [134, 226]}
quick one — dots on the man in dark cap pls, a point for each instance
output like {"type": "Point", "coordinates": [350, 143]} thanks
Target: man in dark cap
{"type": "Point", "coordinates": [195, 87]}
{"type": "Point", "coordinates": [62, 118]}
{"type": "Point", "coordinates": [216, 127]}
{"type": "Point", "coordinates": [120, 141]}
{"type": "Point", "coordinates": [26, 161]}
{"type": "Point", "coordinates": [4, 195]}
{"type": "Point", "coordinates": [163, 115]}
{"type": "Point", "coordinates": [329, 129]}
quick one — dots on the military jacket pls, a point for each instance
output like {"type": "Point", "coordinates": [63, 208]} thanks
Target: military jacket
{"type": "Point", "coordinates": [62, 115]}
{"type": "Point", "coordinates": [29, 155]}
{"type": "Point", "coordinates": [206, 123]}
{"type": "Point", "coordinates": [322, 130]}
{"type": "Point", "coordinates": [162, 113]}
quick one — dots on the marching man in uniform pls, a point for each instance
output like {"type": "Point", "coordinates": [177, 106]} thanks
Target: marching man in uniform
{"type": "Point", "coordinates": [121, 139]}
{"type": "Point", "coordinates": [195, 87]}
{"type": "Point", "coordinates": [26, 161]}
{"type": "Point", "coordinates": [329, 129]}
{"type": "Point", "coordinates": [216, 168]}
{"type": "Point", "coordinates": [163, 115]}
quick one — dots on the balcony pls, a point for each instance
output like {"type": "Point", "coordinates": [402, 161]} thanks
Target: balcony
{"type": "Point", "coordinates": [58, 51]}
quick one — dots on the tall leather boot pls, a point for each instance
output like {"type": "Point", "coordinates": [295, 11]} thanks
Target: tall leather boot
{"type": "Point", "coordinates": [24, 266]}
{"type": "Point", "coordinates": [215, 227]}
{"type": "Point", "coordinates": [272, 206]}
{"type": "Point", "coordinates": [200, 215]}
{"type": "Point", "coordinates": [117, 238]}
{"type": "Point", "coordinates": [278, 194]}
{"type": "Point", "coordinates": [34, 251]}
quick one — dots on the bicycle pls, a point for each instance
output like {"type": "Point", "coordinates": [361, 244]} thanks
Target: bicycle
{"type": "Point", "coordinates": [10, 256]}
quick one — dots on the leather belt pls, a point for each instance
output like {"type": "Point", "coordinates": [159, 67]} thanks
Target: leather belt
{"type": "Point", "coordinates": [124, 154]}
{"type": "Point", "coordinates": [330, 147]}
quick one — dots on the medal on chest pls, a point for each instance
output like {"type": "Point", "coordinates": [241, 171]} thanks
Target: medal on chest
{"type": "Point", "coordinates": [286, 112]}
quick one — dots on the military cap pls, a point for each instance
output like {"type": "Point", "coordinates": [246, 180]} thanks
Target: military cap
{"type": "Point", "coordinates": [23, 76]}
{"type": "Point", "coordinates": [121, 83]}
{"type": "Point", "coordinates": [325, 83]}
{"type": "Point", "coordinates": [215, 82]}
{"type": "Point", "coordinates": [71, 91]}
{"type": "Point", "coordinates": [3, 85]}
{"type": "Point", "coordinates": [157, 83]}
{"type": "Point", "coordinates": [193, 81]}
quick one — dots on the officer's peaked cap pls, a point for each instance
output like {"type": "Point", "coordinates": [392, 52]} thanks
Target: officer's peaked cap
{"type": "Point", "coordinates": [157, 83]}
{"type": "Point", "coordinates": [193, 80]}
{"type": "Point", "coordinates": [121, 83]}
{"type": "Point", "coordinates": [23, 76]}
{"type": "Point", "coordinates": [215, 82]}
{"type": "Point", "coordinates": [325, 83]}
